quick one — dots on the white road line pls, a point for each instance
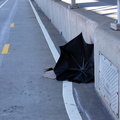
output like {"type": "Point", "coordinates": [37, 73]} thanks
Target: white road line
{"type": "Point", "coordinates": [3, 4]}
{"type": "Point", "coordinates": [69, 101]}
{"type": "Point", "coordinates": [47, 36]}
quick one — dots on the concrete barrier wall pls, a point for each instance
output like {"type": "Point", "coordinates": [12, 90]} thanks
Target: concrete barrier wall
{"type": "Point", "coordinates": [107, 70]}
{"type": "Point", "coordinates": [69, 22]}
{"type": "Point", "coordinates": [95, 29]}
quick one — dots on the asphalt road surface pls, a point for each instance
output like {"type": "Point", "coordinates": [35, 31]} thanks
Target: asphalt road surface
{"type": "Point", "coordinates": [24, 55]}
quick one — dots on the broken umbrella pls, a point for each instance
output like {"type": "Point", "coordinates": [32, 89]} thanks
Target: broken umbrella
{"type": "Point", "coordinates": [76, 62]}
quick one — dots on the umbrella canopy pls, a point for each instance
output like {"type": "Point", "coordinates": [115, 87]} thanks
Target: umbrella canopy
{"type": "Point", "coordinates": [76, 62]}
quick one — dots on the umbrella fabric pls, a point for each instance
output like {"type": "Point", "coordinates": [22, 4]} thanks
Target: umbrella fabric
{"type": "Point", "coordinates": [76, 62]}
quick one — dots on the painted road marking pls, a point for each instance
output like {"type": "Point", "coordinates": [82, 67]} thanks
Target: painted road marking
{"type": "Point", "coordinates": [69, 101]}
{"type": "Point", "coordinates": [5, 49]}
{"type": "Point", "coordinates": [47, 36]}
{"type": "Point", "coordinates": [3, 4]}
{"type": "Point", "coordinates": [12, 25]}
{"type": "Point", "coordinates": [4, 32]}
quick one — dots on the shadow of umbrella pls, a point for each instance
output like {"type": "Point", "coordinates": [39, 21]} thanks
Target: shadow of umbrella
{"type": "Point", "coordinates": [76, 62]}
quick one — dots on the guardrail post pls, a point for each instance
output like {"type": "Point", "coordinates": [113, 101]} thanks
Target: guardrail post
{"type": "Point", "coordinates": [72, 2]}
{"type": "Point", "coordinates": [118, 2]}
{"type": "Point", "coordinates": [116, 24]}
{"type": "Point", "coordinates": [73, 5]}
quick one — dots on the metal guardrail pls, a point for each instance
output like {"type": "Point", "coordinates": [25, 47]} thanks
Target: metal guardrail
{"type": "Point", "coordinates": [118, 2]}
{"type": "Point", "coordinates": [72, 5]}
{"type": "Point", "coordinates": [116, 24]}
{"type": "Point", "coordinates": [72, 2]}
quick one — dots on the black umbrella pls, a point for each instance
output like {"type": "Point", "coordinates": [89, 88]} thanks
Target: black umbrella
{"type": "Point", "coordinates": [76, 62]}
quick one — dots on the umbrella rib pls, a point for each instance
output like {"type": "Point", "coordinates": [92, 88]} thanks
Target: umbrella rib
{"type": "Point", "coordinates": [75, 61]}
{"type": "Point", "coordinates": [80, 66]}
{"type": "Point", "coordinates": [79, 70]}
{"type": "Point", "coordinates": [83, 62]}
{"type": "Point", "coordinates": [84, 73]}
{"type": "Point", "coordinates": [86, 63]}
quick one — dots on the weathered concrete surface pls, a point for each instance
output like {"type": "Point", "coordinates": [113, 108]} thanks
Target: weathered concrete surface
{"type": "Point", "coordinates": [110, 48]}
